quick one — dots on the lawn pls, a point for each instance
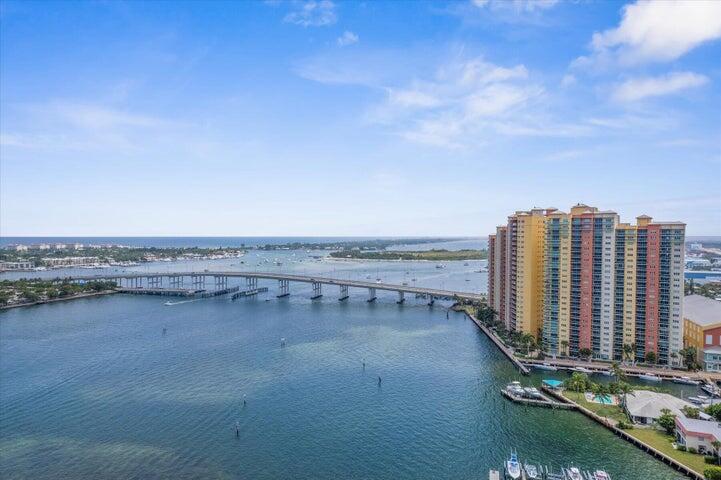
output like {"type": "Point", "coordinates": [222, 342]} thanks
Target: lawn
{"type": "Point", "coordinates": [613, 412]}
{"type": "Point", "coordinates": [662, 442]}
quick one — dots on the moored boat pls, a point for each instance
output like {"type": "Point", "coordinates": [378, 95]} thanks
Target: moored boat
{"type": "Point", "coordinates": [513, 468]}
{"type": "Point", "coordinates": [573, 473]}
{"type": "Point", "coordinates": [532, 472]}
{"type": "Point", "coordinates": [686, 381]}
{"type": "Point", "coordinates": [710, 389]}
{"type": "Point", "coordinates": [649, 377]}
{"type": "Point", "coordinates": [582, 370]}
{"type": "Point", "coordinates": [601, 475]}
{"type": "Point", "coordinates": [532, 392]}
{"type": "Point", "coordinates": [545, 366]}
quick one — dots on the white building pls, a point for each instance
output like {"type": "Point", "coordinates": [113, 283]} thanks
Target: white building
{"type": "Point", "coordinates": [15, 266]}
{"type": "Point", "coordinates": [644, 406]}
{"type": "Point", "coordinates": [697, 434]}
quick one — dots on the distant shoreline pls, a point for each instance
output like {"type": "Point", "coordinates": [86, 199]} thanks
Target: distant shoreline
{"type": "Point", "coordinates": [63, 299]}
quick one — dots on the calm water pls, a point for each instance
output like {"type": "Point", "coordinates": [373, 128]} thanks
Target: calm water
{"type": "Point", "coordinates": [92, 388]}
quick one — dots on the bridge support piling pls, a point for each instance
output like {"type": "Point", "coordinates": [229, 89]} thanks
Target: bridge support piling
{"type": "Point", "coordinates": [317, 292]}
{"type": "Point", "coordinates": [176, 281]}
{"type": "Point", "coordinates": [372, 295]}
{"type": "Point", "coordinates": [401, 298]}
{"type": "Point", "coordinates": [198, 282]}
{"type": "Point", "coordinates": [221, 282]}
{"type": "Point", "coordinates": [431, 300]}
{"type": "Point", "coordinates": [284, 288]}
{"type": "Point", "coordinates": [251, 283]}
{"type": "Point", "coordinates": [343, 293]}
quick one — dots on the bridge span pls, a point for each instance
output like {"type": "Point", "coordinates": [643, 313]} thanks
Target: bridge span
{"type": "Point", "coordinates": [219, 279]}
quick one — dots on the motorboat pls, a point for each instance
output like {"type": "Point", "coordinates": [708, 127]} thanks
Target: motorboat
{"type": "Point", "coordinates": [532, 392]}
{"type": "Point", "coordinates": [515, 388]}
{"type": "Point", "coordinates": [532, 472]}
{"type": "Point", "coordinates": [545, 366]}
{"type": "Point", "coordinates": [710, 389]}
{"type": "Point", "coordinates": [465, 264]}
{"type": "Point", "coordinates": [513, 468]}
{"type": "Point", "coordinates": [601, 475]}
{"type": "Point", "coordinates": [650, 377]}
{"type": "Point", "coordinates": [607, 373]}
{"type": "Point", "coordinates": [573, 473]}
{"type": "Point", "coordinates": [696, 400]}
{"type": "Point", "coordinates": [582, 370]}
{"type": "Point", "coordinates": [686, 381]}
{"type": "Point", "coordinates": [440, 266]}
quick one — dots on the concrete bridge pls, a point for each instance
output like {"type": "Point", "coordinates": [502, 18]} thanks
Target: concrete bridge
{"type": "Point", "coordinates": [176, 281]}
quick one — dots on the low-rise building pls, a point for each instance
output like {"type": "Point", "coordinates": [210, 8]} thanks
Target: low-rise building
{"type": "Point", "coordinates": [644, 406]}
{"type": "Point", "coordinates": [15, 266]}
{"type": "Point", "coordinates": [68, 261]}
{"type": "Point", "coordinates": [702, 330]}
{"type": "Point", "coordinates": [697, 434]}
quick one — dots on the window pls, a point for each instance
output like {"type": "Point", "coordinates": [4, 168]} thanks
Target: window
{"type": "Point", "coordinates": [709, 339]}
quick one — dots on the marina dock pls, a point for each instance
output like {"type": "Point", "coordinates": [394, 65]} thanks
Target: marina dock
{"type": "Point", "coordinates": [544, 401]}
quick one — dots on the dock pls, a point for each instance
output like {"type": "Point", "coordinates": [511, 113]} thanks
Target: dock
{"type": "Point", "coordinates": [165, 292]}
{"type": "Point", "coordinates": [501, 346]}
{"type": "Point", "coordinates": [546, 401]}
{"type": "Point", "coordinates": [248, 293]}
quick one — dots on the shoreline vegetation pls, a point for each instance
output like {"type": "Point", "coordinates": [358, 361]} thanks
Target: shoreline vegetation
{"type": "Point", "coordinates": [16, 293]}
{"type": "Point", "coordinates": [426, 255]}
{"type": "Point", "coordinates": [60, 255]}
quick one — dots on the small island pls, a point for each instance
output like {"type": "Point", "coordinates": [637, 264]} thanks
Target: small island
{"type": "Point", "coordinates": [15, 293]}
{"type": "Point", "coordinates": [428, 255]}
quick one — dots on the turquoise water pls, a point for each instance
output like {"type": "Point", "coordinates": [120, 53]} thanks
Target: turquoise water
{"type": "Point", "coordinates": [92, 388]}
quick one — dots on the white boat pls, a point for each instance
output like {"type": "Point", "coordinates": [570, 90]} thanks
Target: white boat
{"type": "Point", "coordinates": [686, 381]}
{"type": "Point", "coordinates": [515, 388]}
{"type": "Point", "coordinates": [574, 473]}
{"type": "Point", "coordinates": [696, 400]}
{"type": "Point", "coordinates": [650, 377]}
{"type": "Point", "coordinates": [167, 304]}
{"type": "Point", "coordinates": [582, 370]}
{"type": "Point", "coordinates": [513, 468]}
{"type": "Point", "coordinates": [607, 373]}
{"type": "Point", "coordinates": [545, 366]}
{"type": "Point", "coordinates": [532, 392]}
{"type": "Point", "coordinates": [601, 475]}
{"type": "Point", "coordinates": [440, 266]}
{"type": "Point", "coordinates": [710, 389]}
{"type": "Point", "coordinates": [532, 472]}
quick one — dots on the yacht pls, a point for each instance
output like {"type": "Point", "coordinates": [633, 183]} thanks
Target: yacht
{"type": "Point", "coordinates": [710, 389]}
{"type": "Point", "coordinates": [513, 468]}
{"type": "Point", "coordinates": [545, 366]}
{"type": "Point", "coordinates": [649, 377]}
{"type": "Point", "coordinates": [686, 381]}
{"type": "Point", "coordinates": [582, 370]}
{"type": "Point", "coordinates": [515, 388]}
{"type": "Point", "coordinates": [440, 265]}
{"type": "Point", "coordinates": [601, 475]}
{"type": "Point", "coordinates": [574, 473]}
{"type": "Point", "coordinates": [532, 472]}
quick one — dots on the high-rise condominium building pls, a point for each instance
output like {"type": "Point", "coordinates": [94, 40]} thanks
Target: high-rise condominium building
{"type": "Point", "coordinates": [582, 282]}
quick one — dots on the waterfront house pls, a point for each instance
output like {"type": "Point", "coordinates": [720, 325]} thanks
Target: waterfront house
{"type": "Point", "coordinates": [644, 406]}
{"type": "Point", "coordinates": [702, 329]}
{"type": "Point", "coordinates": [697, 434]}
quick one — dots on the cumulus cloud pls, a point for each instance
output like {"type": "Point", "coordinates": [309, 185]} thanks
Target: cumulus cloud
{"type": "Point", "coordinates": [655, 31]}
{"type": "Point", "coordinates": [348, 38]}
{"type": "Point", "coordinates": [314, 13]}
{"type": "Point", "coordinates": [636, 89]}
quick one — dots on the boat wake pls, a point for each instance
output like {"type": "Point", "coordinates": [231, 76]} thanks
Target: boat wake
{"type": "Point", "coordinates": [170, 304]}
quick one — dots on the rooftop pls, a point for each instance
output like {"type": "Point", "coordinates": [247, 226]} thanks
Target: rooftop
{"type": "Point", "coordinates": [702, 310]}
{"type": "Point", "coordinates": [648, 404]}
{"type": "Point", "coordinates": [705, 427]}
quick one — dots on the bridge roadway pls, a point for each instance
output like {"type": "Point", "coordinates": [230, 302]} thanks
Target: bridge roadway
{"type": "Point", "coordinates": [433, 293]}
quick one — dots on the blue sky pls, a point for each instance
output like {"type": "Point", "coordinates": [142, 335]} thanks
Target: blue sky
{"type": "Point", "coordinates": [362, 118]}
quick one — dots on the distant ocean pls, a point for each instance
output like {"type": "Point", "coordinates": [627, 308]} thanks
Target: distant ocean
{"type": "Point", "coordinates": [202, 242]}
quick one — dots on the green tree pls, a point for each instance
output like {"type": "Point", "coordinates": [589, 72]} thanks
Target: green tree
{"type": "Point", "coordinates": [690, 412]}
{"type": "Point", "coordinates": [618, 372]}
{"type": "Point", "coordinates": [651, 357]}
{"type": "Point", "coordinates": [628, 351]}
{"type": "Point", "coordinates": [715, 411]}
{"type": "Point", "coordinates": [578, 382]}
{"type": "Point", "coordinates": [564, 347]}
{"type": "Point", "coordinates": [624, 389]}
{"type": "Point", "coordinates": [585, 353]}
{"type": "Point", "coordinates": [667, 421]}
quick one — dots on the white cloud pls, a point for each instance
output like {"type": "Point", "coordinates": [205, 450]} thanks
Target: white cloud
{"type": "Point", "coordinates": [348, 38]}
{"type": "Point", "coordinates": [568, 80]}
{"type": "Point", "coordinates": [655, 31]}
{"type": "Point", "coordinates": [639, 88]}
{"type": "Point", "coordinates": [314, 13]}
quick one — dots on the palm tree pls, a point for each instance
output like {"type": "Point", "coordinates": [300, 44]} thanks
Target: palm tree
{"type": "Point", "coordinates": [628, 349]}
{"type": "Point", "coordinates": [624, 389]}
{"type": "Point", "coordinates": [618, 372]}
